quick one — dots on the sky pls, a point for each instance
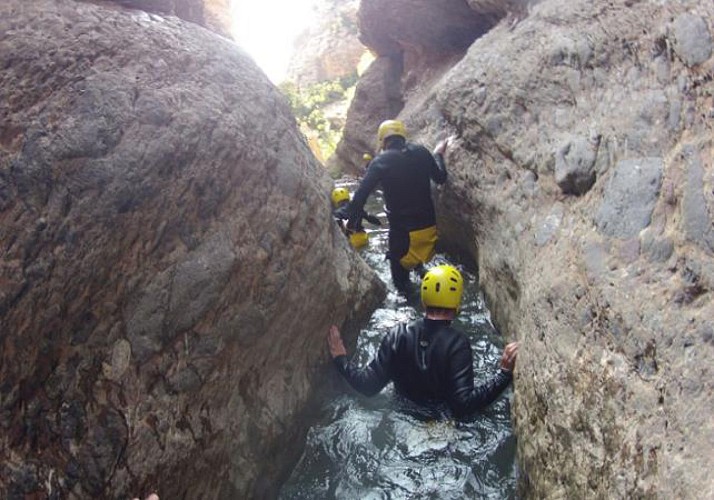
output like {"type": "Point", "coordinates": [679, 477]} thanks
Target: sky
{"type": "Point", "coordinates": [266, 29]}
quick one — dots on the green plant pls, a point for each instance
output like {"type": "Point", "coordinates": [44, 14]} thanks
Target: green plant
{"type": "Point", "coordinates": [309, 104]}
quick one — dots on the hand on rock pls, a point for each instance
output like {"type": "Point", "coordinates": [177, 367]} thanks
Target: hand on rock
{"type": "Point", "coordinates": [334, 342]}
{"type": "Point", "coordinates": [510, 353]}
{"type": "Point", "coordinates": [440, 148]}
{"type": "Point", "coordinates": [153, 496]}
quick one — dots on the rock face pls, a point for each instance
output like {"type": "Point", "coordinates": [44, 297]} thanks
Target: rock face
{"type": "Point", "coordinates": [331, 48]}
{"type": "Point", "coordinates": [415, 41]}
{"type": "Point", "coordinates": [378, 97]}
{"type": "Point", "coordinates": [169, 261]}
{"type": "Point", "coordinates": [212, 14]}
{"type": "Point", "coordinates": [582, 182]}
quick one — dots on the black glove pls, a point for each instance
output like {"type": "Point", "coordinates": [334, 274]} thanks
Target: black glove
{"type": "Point", "coordinates": [341, 213]}
{"type": "Point", "coordinates": [372, 219]}
{"type": "Point", "coordinates": [354, 224]}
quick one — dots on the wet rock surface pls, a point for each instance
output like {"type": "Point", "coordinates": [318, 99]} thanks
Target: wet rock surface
{"type": "Point", "coordinates": [597, 258]}
{"type": "Point", "coordinates": [169, 262]}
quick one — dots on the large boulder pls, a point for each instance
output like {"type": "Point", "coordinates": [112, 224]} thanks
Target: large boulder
{"type": "Point", "coordinates": [330, 48]}
{"type": "Point", "coordinates": [169, 261]}
{"type": "Point", "coordinates": [378, 97]}
{"type": "Point", "coordinates": [212, 14]}
{"type": "Point", "coordinates": [580, 179]}
{"type": "Point", "coordinates": [416, 43]}
{"type": "Point", "coordinates": [441, 26]}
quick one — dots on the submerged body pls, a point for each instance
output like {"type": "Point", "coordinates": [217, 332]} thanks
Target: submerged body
{"type": "Point", "coordinates": [429, 362]}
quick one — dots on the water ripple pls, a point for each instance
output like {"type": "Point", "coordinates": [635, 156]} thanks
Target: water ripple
{"type": "Point", "coordinates": [386, 448]}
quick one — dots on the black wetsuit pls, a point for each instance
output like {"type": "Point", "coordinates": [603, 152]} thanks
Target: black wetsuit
{"type": "Point", "coordinates": [358, 227]}
{"type": "Point", "coordinates": [430, 363]}
{"type": "Point", "coordinates": [405, 172]}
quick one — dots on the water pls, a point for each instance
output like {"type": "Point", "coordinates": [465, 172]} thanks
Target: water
{"type": "Point", "coordinates": [384, 448]}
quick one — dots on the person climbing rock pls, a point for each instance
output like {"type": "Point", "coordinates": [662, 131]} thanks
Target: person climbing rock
{"type": "Point", "coordinates": [428, 360]}
{"type": "Point", "coordinates": [356, 234]}
{"type": "Point", "coordinates": [405, 171]}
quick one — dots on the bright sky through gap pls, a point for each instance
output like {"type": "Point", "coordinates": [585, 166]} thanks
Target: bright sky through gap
{"type": "Point", "coordinates": [266, 29]}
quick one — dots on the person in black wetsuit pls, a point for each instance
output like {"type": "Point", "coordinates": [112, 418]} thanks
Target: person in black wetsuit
{"type": "Point", "coordinates": [355, 233]}
{"type": "Point", "coordinates": [405, 171]}
{"type": "Point", "coordinates": [428, 360]}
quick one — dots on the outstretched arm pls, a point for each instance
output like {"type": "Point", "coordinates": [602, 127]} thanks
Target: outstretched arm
{"type": "Point", "coordinates": [368, 380]}
{"type": "Point", "coordinates": [369, 182]}
{"type": "Point", "coordinates": [372, 219]}
{"type": "Point", "coordinates": [438, 167]}
{"type": "Point", "coordinates": [465, 398]}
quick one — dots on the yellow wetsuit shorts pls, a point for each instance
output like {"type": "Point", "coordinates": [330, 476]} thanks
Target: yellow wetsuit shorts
{"type": "Point", "coordinates": [421, 247]}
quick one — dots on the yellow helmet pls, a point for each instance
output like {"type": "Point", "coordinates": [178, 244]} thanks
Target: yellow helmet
{"type": "Point", "coordinates": [359, 239]}
{"type": "Point", "coordinates": [339, 195]}
{"type": "Point", "coordinates": [389, 128]}
{"type": "Point", "coordinates": [442, 287]}
{"type": "Point", "coordinates": [367, 157]}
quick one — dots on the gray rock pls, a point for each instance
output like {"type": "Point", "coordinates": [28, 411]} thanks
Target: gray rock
{"type": "Point", "coordinates": [213, 14]}
{"type": "Point", "coordinates": [692, 40]}
{"type": "Point", "coordinates": [549, 226]}
{"type": "Point", "coordinates": [377, 98]}
{"type": "Point", "coordinates": [707, 333]}
{"type": "Point", "coordinates": [575, 166]}
{"type": "Point", "coordinates": [629, 250]}
{"type": "Point", "coordinates": [120, 360]}
{"type": "Point", "coordinates": [153, 188]}
{"type": "Point", "coordinates": [600, 407]}
{"type": "Point", "coordinates": [698, 223]}
{"type": "Point", "coordinates": [604, 156]}
{"type": "Point", "coordinates": [330, 47]}
{"type": "Point", "coordinates": [657, 249]}
{"type": "Point", "coordinates": [145, 318]}
{"type": "Point", "coordinates": [596, 261]}
{"type": "Point", "coordinates": [198, 281]}
{"type": "Point", "coordinates": [630, 197]}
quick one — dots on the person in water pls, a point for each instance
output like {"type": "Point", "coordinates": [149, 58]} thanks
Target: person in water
{"type": "Point", "coordinates": [355, 233]}
{"type": "Point", "coordinates": [405, 171]}
{"type": "Point", "coordinates": [428, 360]}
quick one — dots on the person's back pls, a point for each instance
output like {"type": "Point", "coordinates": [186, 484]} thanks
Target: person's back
{"type": "Point", "coordinates": [426, 351]}
{"type": "Point", "coordinates": [428, 360]}
{"type": "Point", "coordinates": [405, 175]}
{"type": "Point", "coordinates": [405, 171]}
{"type": "Point", "coordinates": [356, 234]}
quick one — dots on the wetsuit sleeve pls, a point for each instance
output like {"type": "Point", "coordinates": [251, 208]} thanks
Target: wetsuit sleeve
{"type": "Point", "coordinates": [464, 397]}
{"type": "Point", "coordinates": [372, 219]}
{"type": "Point", "coordinates": [372, 378]}
{"type": "Point", "coordinates": [369, 182]}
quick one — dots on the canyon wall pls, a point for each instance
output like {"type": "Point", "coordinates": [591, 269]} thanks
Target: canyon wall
{"type": "Point", "coordinates": [169, 264]}
{"type": "Point", "coordinates": [329, 49]}
{"type": "Point", "coordinates": [581, 179]}
{"type": "Point", "coordinates": [212, 14]}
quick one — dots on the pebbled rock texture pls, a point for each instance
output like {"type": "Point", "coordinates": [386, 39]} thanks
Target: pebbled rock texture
{"type": "Point", "coordinates": [169, 261]}
{"type": "Point", "coordinates": [581, 179]}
